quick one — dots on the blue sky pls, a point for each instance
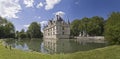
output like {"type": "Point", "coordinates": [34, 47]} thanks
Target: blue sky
{"type": "Point", "coordinates": [22, 12]}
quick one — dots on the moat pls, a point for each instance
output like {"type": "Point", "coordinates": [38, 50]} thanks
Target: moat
{"type": "Point", "coordinates": [54, 46]}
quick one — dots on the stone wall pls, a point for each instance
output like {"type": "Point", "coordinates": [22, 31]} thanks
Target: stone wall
{"type": "Point", "coordinates": [97, 39]}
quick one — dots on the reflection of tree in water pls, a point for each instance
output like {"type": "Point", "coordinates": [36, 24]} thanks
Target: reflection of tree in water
{"type": "Point", "coordinates": [64, 46]}
{"type": "Point", "coordinates": [54, 45]}
{"type": "Point", "coordinates": [69, 46]}
{"type": "Point", "coordinates": [25, 44]}
{"type": "Point", "coordinates": [85, 46]}
{"type": "Point", "coordinates": [34, 45]}
{"type": "Point", "coordinates": [9, 41]}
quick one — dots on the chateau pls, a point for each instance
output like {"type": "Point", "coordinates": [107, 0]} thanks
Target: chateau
{"type": "Point", "coordinates": [57, 28]}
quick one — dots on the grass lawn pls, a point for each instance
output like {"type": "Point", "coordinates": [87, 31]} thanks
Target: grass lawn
{"type": "Point", "coordinates": [110, 52]}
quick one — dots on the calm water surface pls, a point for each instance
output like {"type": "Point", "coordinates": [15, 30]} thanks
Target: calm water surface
{"type": "Point", "coordinates": [51, 46]}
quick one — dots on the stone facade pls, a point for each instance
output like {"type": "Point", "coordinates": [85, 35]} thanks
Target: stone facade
{"type": "Point", "coordinates": [57, 28]}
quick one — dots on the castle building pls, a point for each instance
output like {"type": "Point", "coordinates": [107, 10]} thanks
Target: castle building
{"type": "Point", "coordinates": [57, 28]}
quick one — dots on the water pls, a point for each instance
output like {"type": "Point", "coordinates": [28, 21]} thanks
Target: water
{"type": "Point", "coordinates": [51, 46]}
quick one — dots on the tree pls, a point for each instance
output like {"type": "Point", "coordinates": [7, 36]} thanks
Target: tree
{"type": "Point", "coordinates": [96, 26]}
{"type": "Point", "coordinates": [34, 30]}
{"type": "Point", "coordinates": [22, 34]}
{"type": "Point", "coordinates": [84, 26]}
{"type": "Point", "coordinates": [74, 27]}
{"type": "Point", "coordinates": [2, 27]}
{"type": "Point", "coordinates": [17, 34]}
{"type": "Point", "coordinates": [7, 29]}
{"type": "Point", "coordinates": [1, 31]}
{"type": "Point", "coordinates": [112, 28]}
{"type": "Point", "coordinates": [88, 26]}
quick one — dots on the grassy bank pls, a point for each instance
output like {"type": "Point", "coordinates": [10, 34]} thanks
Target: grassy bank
{"type": "Point", "coordinates": [111, 52]}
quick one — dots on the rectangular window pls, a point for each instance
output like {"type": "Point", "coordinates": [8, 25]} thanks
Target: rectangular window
{"type": "Point", "coordinates": [63, 28]}
{"type": "Point", "coordinates": [54, 33]}
{"type": "Point", "coordinates": [63, 33]}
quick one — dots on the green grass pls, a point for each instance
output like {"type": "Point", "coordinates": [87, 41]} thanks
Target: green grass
{"type": "Point", "coordinates": [110, 52]}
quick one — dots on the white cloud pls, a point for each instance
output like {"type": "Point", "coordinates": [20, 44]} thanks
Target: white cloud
{"type": "Point", "coordinates": [39, 5]}
{"type": "Point", "coordinates": [39, 17]}
{"type": "Point", "coordinates": [29, 3]}
{"type": "Point", "coordinates": [76, 3]}
{"type": "Point", "coordinates": [60, 13]}
{"type": "Point", "coordinates": [9, 8]}
{"type": "Point", "coordinates": [26, 26]}
{"type": "Point", "coordinates": [51, 3]}
{"type": "Point", "coordinates": [43, 23]}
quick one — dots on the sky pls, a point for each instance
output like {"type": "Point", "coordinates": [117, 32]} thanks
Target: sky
{"type": "Point", "coordinates": [22, 12]}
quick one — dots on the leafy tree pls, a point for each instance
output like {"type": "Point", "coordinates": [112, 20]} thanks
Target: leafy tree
{"type": "Point", "coordinates": [6, 29]}
{"type": "Point", "coordinates": [28, 34]}
{"type": "Point", "coordinates": [1, 31]}
{"type": "Point", "coordinates": [95, 26]}
{"type": "Point", "coordinates": [74, 27]}
{"type": "Point", "coordinates": [34, 30]}
{"type": "Point", "coordinates": [22, 34]}
{"type": "Point", "coordinates": [84, 25]}
{"type": "Point", "coordinates": [92, 26]}
{"type": "Point", "coordinates": [112, 28]}
{"type": "Point", "coordinates": [17, 34]}
{"type": "Point", "coordinates": [9, 30]}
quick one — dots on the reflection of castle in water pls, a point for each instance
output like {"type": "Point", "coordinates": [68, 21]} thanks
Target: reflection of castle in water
{"type": "Point", "coordinates": [70, 45]}
{"type": "Point", "coordinates": [57, 46]}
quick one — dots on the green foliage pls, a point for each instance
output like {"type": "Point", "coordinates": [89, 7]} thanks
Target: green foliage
{"type": "Point", "coordinates": [7, 29]}
{"type": "Point", "coordinates": [17, 34]}
{"type": "Point", "coordinates": [84, 24]}
{"type": "Point", "coordinates": [34, 30]}
{"type": "Point", "coordinates": [95, 26]}
{"type": "Point", "coordinates": [22, 34]}
{"type": "Point", "coordinates": [75, 27]}
{"type": "Point", "coordinates": [2, 32]}
{"type": "Point", "coordinates": [92, 26]}
{"type": "Point", "coordinates": [112, 28]}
